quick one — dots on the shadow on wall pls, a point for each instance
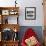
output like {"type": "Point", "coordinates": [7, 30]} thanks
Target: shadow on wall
{"type": "Point", "coordinates": [37, 29]}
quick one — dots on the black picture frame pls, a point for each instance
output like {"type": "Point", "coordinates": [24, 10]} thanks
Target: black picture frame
{"type": "Point", "coordinates": [30, 13]}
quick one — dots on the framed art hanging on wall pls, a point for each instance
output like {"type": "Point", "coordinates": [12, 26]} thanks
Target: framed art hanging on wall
{"type": "Point", "coordinates": [30, 13]}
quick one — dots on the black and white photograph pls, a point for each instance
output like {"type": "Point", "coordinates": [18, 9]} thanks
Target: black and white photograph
{"type": "Point", "coordinates": [30, 13]}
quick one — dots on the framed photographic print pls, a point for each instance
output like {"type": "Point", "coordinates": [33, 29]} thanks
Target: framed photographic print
{"type": "Point", "coordinates": [5, 12]}
{"type": "Point", "coordinates": [30, 13]}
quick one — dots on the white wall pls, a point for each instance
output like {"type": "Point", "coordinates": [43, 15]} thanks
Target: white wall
{"type": "Point", "coordinates": [39, 12]}
{"type": "Point", "coordinates": [27, 3]}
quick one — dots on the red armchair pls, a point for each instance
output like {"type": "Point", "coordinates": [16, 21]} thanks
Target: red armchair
{"type": "Point", "coordinates": [30, 34]}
